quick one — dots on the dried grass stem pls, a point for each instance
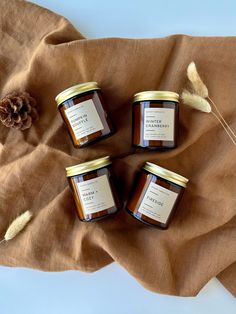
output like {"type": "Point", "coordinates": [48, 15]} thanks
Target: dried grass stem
{"type": "Point", "coordinates": [222, 118]}
{"type": "Point", "coordinates": [17, 226]}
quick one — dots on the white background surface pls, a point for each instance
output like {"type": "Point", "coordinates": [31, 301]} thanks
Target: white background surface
{"type": "Point", "coordinates": [112, 290]}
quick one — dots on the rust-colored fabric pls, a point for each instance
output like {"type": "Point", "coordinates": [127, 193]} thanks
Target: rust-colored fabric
{"type": "Point", "coordinates": [42, 53]}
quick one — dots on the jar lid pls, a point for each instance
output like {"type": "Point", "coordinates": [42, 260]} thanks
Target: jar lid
{"type": "Point", "coordinates": [88, 166]}
{"type": "Point", "coordinates": [166, 174]}
{"type": "Point", "coordinates": [156, 95]}
{"type": "Point", "coordinates": [75, 90]}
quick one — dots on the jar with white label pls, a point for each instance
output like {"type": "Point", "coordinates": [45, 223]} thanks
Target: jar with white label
{"type": "Point", "coordinates": [156, 195]}
{"type": "Point", "coordinates": [93, 188]}
{"type": "Point", "coordinates": [84, 113]}
{"type": "Point", "coordinates": [155, 119]}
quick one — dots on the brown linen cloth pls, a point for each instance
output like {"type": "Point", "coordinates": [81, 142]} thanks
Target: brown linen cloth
{"type": "Point", "coordinates": [42, 53]}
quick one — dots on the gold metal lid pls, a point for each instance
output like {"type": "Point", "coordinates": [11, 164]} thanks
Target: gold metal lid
{"type": "Point", "coordinates": [156, 95]}
{"type": "Point", "coordinates": [88, 166]}
{"type": "Point", "coordinates": [166, 174]}
{"type": "Point", "coordinates": [75, 90]}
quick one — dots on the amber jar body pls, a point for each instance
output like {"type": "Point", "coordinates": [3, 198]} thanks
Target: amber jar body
{"type": "Point", "coordinates": [150, 142]}
{"type": "Point", "coordinates": [113, 202]}
{"type": "Point", "coordinates": [103, 126]}
{"type": "Point", "coordinates": [140, 189]}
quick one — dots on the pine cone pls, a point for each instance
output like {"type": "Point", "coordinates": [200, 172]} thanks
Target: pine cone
{"type": "Point", "coordinates": [18, 110]}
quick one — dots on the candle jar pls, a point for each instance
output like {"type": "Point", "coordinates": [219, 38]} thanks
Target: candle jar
{"type": "Point", "coordinates": [156, 195]}
{"type": "Point", "coordinates": [84, 113]}
{"type": "Point", "coordinates": [155, 119]}
{"type": "Point", "coordinates": [93, 189]}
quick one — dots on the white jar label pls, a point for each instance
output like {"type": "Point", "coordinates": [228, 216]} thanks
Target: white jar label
{"type": "Point", "coordinates": [159, 124]}
{"type": "Point", "coordinates": [84, 119]}
{"type": "Point", "coordinates": [95, 195]}
{"type": "Point", "coordinates": [157, 202]}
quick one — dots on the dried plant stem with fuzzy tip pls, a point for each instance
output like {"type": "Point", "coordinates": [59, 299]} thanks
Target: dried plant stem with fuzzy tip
{"type": "Point", "coordinates": [199, 103]}
{"type": "Point", "coordinates": [201, 100]}
{"type": "Point", "coordinates": [196, 102]}
{"type": "Point", "coordinates": [17, 226]}
{"type": "Point", "coordinates": [197, 83]}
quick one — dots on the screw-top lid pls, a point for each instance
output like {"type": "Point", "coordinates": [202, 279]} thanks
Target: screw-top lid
{"type": "Point", "coordinates": [165, 174]}
{"type": "Point", "coordinates": [156, 95]}
{"type": "Point", "coordinates": [75, 90]}
{"type": "Point", "coordinates": [88, 166]}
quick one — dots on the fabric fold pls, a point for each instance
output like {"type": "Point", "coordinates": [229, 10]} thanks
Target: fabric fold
{"type": "Point", "coordinates": [42, 53]}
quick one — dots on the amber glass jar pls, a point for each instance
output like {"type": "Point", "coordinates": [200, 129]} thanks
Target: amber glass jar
{"type": "Point", "coordinates": [93, 189]}
{"type": "Point", "coordinates": [84, 113]}
{"type": "Point", "coordinates": [156, 195]}
{"type": "Point", "coordinates": [155, 119]}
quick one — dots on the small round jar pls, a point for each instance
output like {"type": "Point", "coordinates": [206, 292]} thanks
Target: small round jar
{"type": "Point", "coordinates": [155, 119]}
{"type": "Point", "coordinates": [84, 113]}
{"type": "Point", "coordinates": [93, 189]}
{"type": "Point", "coordinates": [156, 195]}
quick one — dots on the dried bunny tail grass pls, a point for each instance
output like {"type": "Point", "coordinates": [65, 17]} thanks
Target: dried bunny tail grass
{"type": "Point", "coordinates": [199, 103]}
{"type": "Point", "coordinates": [201, 100]}
{"type": "Point", "coordinates": [195, 101]}
{"type": "Point", "coordinates": [17, 226]}
{"type": "Point", "coordinates": [197, 83]}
